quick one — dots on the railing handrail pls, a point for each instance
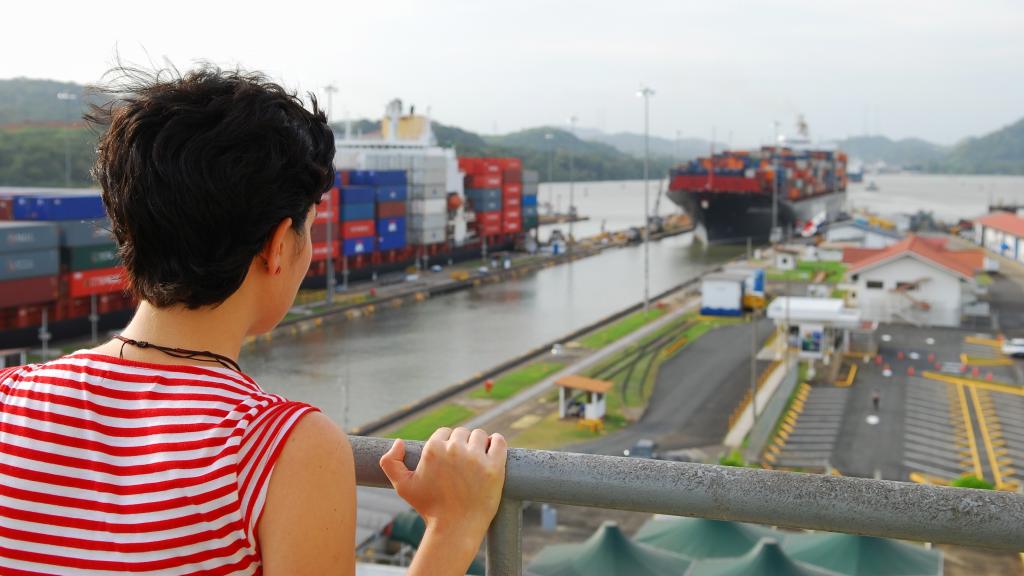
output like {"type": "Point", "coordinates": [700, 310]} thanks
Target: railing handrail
{"type": "Point", "coordinates": [968, 517]}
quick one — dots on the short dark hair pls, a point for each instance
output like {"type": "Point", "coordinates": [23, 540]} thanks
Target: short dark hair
{"type": "Point", "coordinates": [197, 170]}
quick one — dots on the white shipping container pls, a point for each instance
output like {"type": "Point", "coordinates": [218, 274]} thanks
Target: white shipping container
{"type": "Point", "coordinates": [427, 221]}
{"type": "Point", "coordinates": [428, 206]}
{"type": "Point", "coordinates": [722, 294]}
{"type": "Point", "coordinates": [421, 237]}
{"type": "Point", "coordinates": [426, 191]}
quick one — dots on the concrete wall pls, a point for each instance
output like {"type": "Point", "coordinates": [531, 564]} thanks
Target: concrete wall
{"type": "Point", "coordinates": [943, 291]}
{"type": "Point", "coordinates": [865, 238]}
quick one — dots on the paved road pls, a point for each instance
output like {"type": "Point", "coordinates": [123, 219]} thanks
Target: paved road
{"type": "Point", "coordinates": [694, 394]}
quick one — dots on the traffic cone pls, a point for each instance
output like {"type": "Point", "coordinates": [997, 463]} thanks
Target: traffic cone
{"type": "Point", "coordinates": [910, 370]}
{"type": "Point", "coordinates": [938, 365]}
{"type": "Point", "coordinates": [900, 355]}
{"type": "Point", "coordinates": [878, 359]}
{"type": "Point", "coordinates": [988, 377]}
{"type": "Point", "coordinates": [975, 371]}
{"type": "Point", "coordinates": [931, 357]}
{"type": "Point", "coordinates": [963, 368]}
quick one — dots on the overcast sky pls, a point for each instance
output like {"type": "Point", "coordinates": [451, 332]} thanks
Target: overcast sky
{"type": "Point", "coordinates": [936, 69]}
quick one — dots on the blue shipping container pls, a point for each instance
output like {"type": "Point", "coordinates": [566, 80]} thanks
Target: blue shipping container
{"type": "Point", "coordinates": [25, 236]}
{"type": "Point", "coordinates": [58, 207]}
{"type": "Point", "coordinates": [77, 233]}
{"type": "Point", "coordinates": [486, 205]}
{"type": "Point", "coordinates": [484, 194]}
{"type": "Point", "coordinates": [394, 193]}
{"type": "Point", "coordinates": [391, 227]}
{"type": "Point", "coordinates": [357, 195]}
{"type": "Point", "coordinates": [17, 265]}
{"type": "Point", "coordinates": [391, 242]}
{"type": "Point", "coordinates": [354, 246]}
{"type": "Point", "coordinates": [378, 177]}
{"type": "Point", "coordinates": [530, 211]}
{"type": "Point", "coordinates": [529, 200]}
{"type": "Point", "coordinates": [350, 212]}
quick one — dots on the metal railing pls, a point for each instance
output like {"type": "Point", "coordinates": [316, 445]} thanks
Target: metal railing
{"type": "Point", "coordinates": [967, 517]}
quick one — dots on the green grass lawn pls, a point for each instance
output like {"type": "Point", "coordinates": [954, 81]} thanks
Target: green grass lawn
{"type": "Point", "coordinates": [513, 382]}
{"type": "Point", "coordinates": [805, 271]}
{"type": "Point", "coordinates": [421, 428]}
{"type": "Point", "coordinates": [983, 279]}
{"type": "Point", "coordinates": [619, 329]}
{"type": "Point", "coordinates": [551, 432]}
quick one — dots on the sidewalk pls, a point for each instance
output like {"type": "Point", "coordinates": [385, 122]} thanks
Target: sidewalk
{"type": "Point", "coordinates": [542, 387]}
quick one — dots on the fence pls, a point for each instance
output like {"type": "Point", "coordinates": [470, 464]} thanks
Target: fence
{"type": "Point", "coordinates": [810, 501]}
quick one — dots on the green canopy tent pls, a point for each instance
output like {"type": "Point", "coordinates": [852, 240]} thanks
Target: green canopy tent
{"type": "Point", "coordinates": [765, 559]}
{"type": "Point", "coordinates": [863, 555]}
{"type": "Point", "coordinates": [607, 553]}
{"type": "Point", "coordinates": [700, 538]}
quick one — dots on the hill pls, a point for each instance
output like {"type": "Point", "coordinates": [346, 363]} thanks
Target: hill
{"type": "Point", "coordinates": [27, 100]}
{"type": "Point", "coordinates": [1001, 152]}
{"type": "Point", "coordinates": [911, 153]}
{"type": "Point", "coordinates": [633, 144]}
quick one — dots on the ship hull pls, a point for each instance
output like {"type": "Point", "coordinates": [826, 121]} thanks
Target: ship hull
{"type": "Point", "coordinates": [732, 218]}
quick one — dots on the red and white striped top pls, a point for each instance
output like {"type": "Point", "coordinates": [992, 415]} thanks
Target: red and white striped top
{"type": "Point", "coordinates": [111, 466]}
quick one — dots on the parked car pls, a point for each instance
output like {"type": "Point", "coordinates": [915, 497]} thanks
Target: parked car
{"type": "Point", "coordinates": [643, 448]}
{"type": "Point", "coordinates": [1014, 347]}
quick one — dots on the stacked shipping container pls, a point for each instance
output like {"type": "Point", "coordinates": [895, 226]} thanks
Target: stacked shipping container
{"type": "Point", "coordinates": [803, 173]}
{"type": "Point", "coordinates": [531, 186]}
{"type": "Point", "coordinates": [494, 191]}
{"type": "Point", "coordinates": [71, 238]}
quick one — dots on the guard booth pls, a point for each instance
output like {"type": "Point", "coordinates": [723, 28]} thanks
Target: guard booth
{"type": "Point", "coordinates": [819, 328]}
{"type": "Point", "coordinates": [576, 390]}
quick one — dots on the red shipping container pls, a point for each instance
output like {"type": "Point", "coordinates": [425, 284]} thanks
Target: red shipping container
{"type": "Point", "coordinates": [320, 250]}
{"type": "Point", "coordinates": [484, 181]}
{"type": "Point", "coordinates": [491, 166]}
{"type": "Point", "coordinates": [318, 233]}
{"type": "Point", "coordinates": [512, 202]}
{"type": "Point", "coordinates": [6, 208]}
{"type": "Point", "coordinates": [327, 209]}
{"type": "Point", "coordinates": [470, 165]}
{"type": "Point", "coordinates": [511, 214]}
{"type": "Point", "coordinates": [512, 189]}
{"type": "Point", "coordinates": [513, 175]}
{"type": "Point", "coordinates": [509, 163]}
{"type": "Point", "coordinates": [488, 217]}
{"type": "Point", "coordinates": [489, 229]}
{"type": "Point", "coordinates": [390, 210]}
{"type": "Point", "coordinates": [358, 229]}
{"type": "Point", "coordinates": [28, 291]}
{"type": "Point", "coordinates": [100, 281]}
{"type": "Point", "coordinates": [512, 226]}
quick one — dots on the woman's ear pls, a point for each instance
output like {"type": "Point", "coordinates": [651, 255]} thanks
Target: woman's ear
{"type": "Point", "coordinates": [273, 252]}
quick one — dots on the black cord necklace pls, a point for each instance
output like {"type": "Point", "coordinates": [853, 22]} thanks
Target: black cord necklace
{"type": "Point", "coordinates": [201, 355]}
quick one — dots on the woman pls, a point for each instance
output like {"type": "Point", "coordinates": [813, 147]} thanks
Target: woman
{"type": "Point", "coordinates": [154, 453]}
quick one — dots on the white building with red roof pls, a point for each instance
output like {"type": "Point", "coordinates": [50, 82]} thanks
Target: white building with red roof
{"type": "Point", "coordinates": [918, 280]}
{"type": "Point", "coordinates": [1002, 233]}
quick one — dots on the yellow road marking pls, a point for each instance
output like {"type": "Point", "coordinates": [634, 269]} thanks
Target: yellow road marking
{"type": "Point", "coordinates": [993, 342]}
{"type": "Point", "coordinates": [972, 443]}
{"type": "Point", "coordinates": [994, 462]}
{"type": "Point", "coordinates": [993, 386]}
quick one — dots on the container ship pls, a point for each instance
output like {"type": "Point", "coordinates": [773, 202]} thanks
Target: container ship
{"type": "Point", "coordinates": [729, 195]}
{"type": "Point", "coordinates": [399, 200]}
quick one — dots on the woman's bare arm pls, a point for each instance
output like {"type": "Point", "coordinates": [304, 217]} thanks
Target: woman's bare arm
{"type": "Point", "coordinates": [308, 523]}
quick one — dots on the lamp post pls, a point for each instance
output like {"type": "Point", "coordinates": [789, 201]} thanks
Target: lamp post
{"type": "Point", "coordinates": [646, 94]}
{"type": "Point", "coordinates": [776, 235]}
{"type": "Point", "coordinates": [572, 188]}
{"type": "Point", "coordinates": [330, 89]}
{"type": "Point", "coordinates": [67, 97]}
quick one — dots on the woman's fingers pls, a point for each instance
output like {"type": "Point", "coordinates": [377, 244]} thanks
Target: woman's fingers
{"type": "Point", "coordinates": [441, 434]}
{"type": "Point", "coordinates": [393, 463]}
{"type": "Point", "coordinates": [498, 447]}
{"type": "Point", "coordinates": [478, 441]}
{"type": "Point", "coordinates": [460, 436]}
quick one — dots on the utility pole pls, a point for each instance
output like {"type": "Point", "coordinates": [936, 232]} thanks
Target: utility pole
{"type": "Point", "coordinates": [646, 94]}
{"type": "Point", "coordinates": [330, 89]}
{"type": "Point", "coordinates": [775, 235]}
{"type": "Point", "coordinates": [753, 351]}
{"type": "Point", "coordinates": [67, 97]}
{"type": "Point", "coordinates": [572, 189]}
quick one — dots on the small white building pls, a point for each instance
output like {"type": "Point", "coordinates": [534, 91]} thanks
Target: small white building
{"type": "Point", "coordinates": [1001, 233]}
{"type": "Point", "coordinates": [860, 233]}
{"type": "Point", "coordinates": [818, 327]}
{"type": "Point", "coordinates": [721, 294]}
{"type": "Point", "coordinates": [785, 258]}
{"type": "Point", "coordinates": [591, 393]}
{"type": "Point", "coordinates": [918, 280]}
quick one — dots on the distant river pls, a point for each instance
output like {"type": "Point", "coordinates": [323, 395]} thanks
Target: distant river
{"type": "Point", "coordinates": [948, 197]}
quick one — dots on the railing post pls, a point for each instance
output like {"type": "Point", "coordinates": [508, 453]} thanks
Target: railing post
{"type": "Point", "coordinates": [505, 539]}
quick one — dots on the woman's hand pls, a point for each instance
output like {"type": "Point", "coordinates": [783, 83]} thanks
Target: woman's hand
{"type": "Point", "coordinates": [457, 485]}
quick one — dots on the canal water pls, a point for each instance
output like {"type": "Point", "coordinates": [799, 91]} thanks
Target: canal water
{"type": "Point", "coordinates": [359, 370]}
